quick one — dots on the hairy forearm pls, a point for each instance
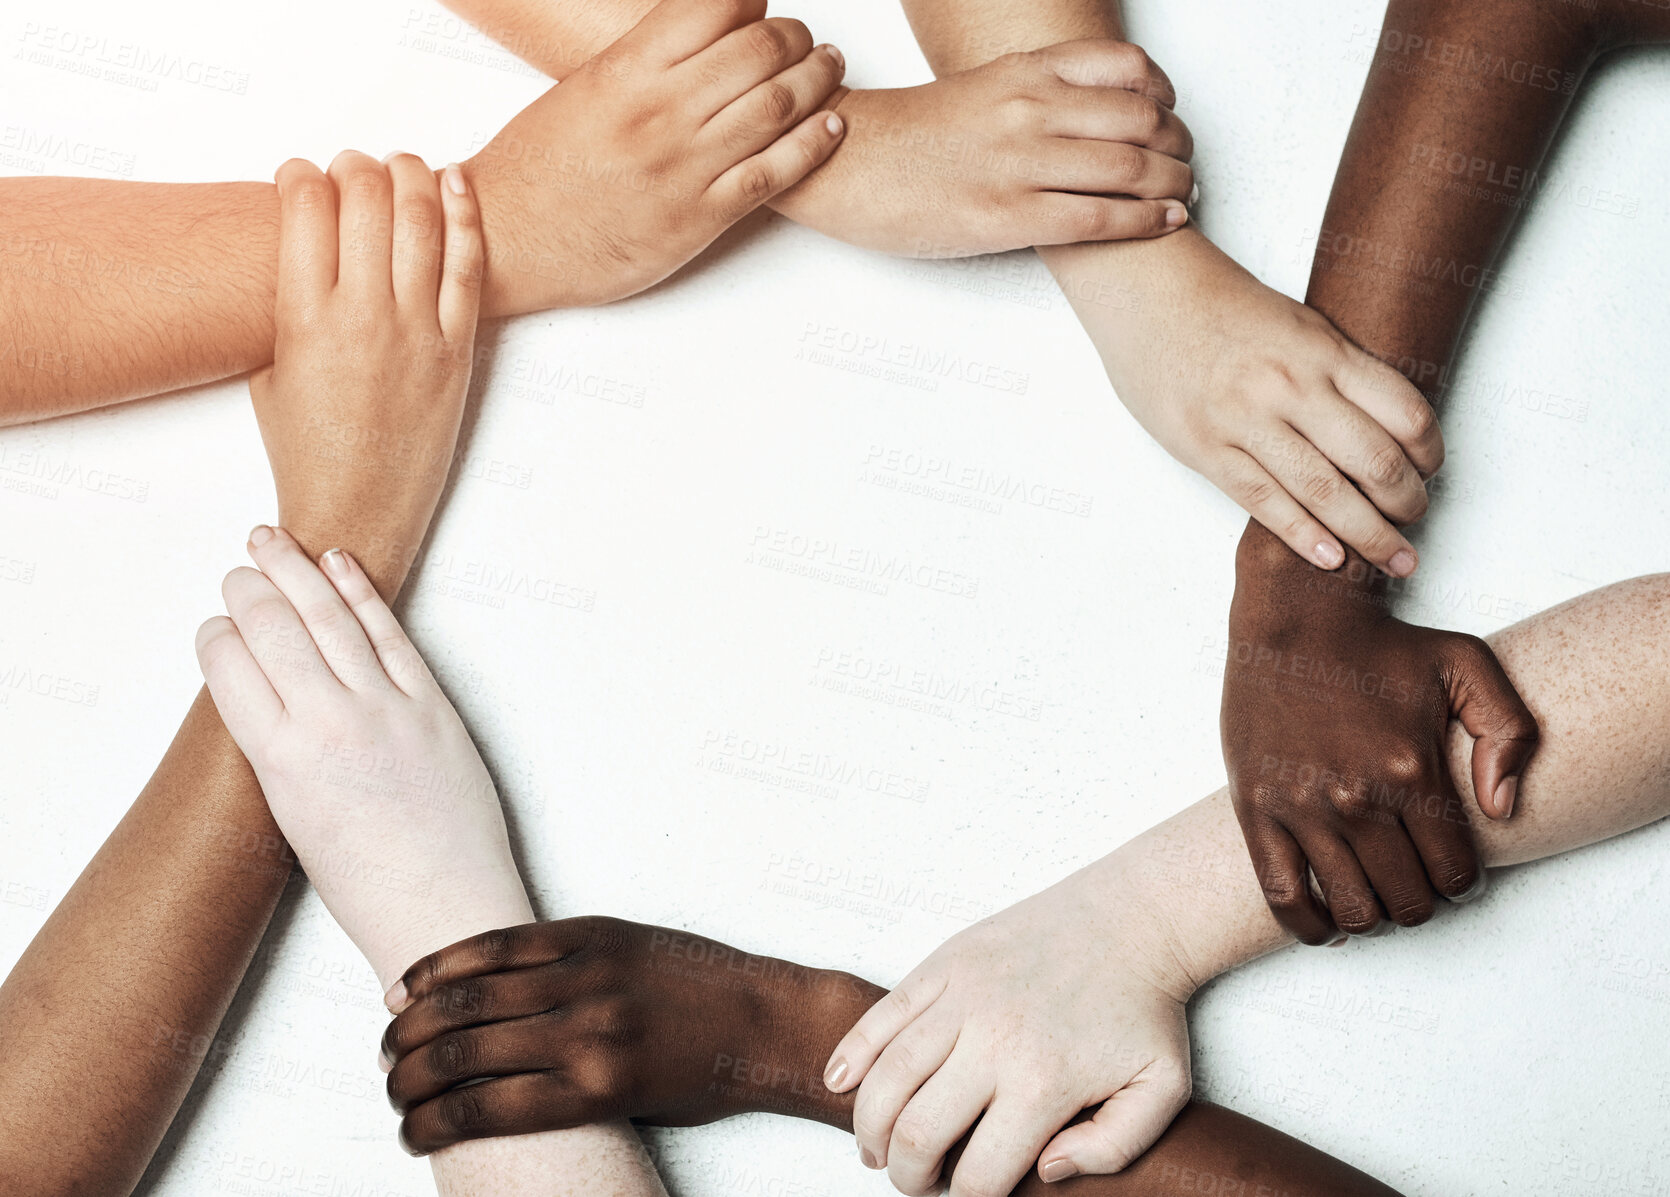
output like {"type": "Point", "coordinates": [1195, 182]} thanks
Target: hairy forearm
{"type": "Point", "coordinates": [1587, 669]}
{"type": "Point", "coordinates": [554, 38]}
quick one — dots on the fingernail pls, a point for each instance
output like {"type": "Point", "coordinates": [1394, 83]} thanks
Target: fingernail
{"type": "Point", "coordinates": [835, 53]}
{"type": "Point", "coordinates": [832, 122]}
{"type": "Point", "coordinates": [383, 1061]}
{"type": "Point", "coordinates": [1340, 942]}
{"type": "Point", "coordinates": [260, 535]}
{"type": "Point", "coordinates": [1176, 215]}
{"type": "Point", "coordinates": [1402, 564]}
{"type": "Point", "coordinates": [1473, 891]}
{"type": "Point", "coordinates": [396, 998]}
{"type": "Point", "coordinates": [454, 175]}
{"type": "Point", "coordinates": [1506, 792]}
{"type": "Point", "coordinates": [335, 562]}
{"type": "Point", "coordinates": [1329, 555]}
{"type": "Point", "coordinates": [1058, 1170]}
{"type": "Point", "coordinates": [1194, 195]}
{"type": "Point", "coordinates": [835, 1074]}
{"type": "Point", "coordinates": [868, 1160]}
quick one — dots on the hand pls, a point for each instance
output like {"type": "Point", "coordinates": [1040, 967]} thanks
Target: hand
{"type": "Point", "coordinates": [630, 167]}
{"type": "Point", "coordinates": [1067, 1000]}
{"type": "Point", "coordinates": [1076, 142]}
{"type": "Point", "coordinates": [378, 287]}
{"type": "Point", "coordinates": [592, 1018]}
{"type": "Point", "coordinates": [1317, 440]}
{"type": "Point", "coordinates": [368, 770]}
{"type": "Point", "coordinates": [1335, 732]}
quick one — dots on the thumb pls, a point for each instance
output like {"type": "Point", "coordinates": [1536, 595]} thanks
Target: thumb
{"type": "Point", "coordinates": [1503, 729]}
{"type": "Point", "coordinates": [1124, 1128]}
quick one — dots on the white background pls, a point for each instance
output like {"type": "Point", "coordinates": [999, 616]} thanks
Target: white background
{"type": "Point", "coordinates": [1537, 1059]}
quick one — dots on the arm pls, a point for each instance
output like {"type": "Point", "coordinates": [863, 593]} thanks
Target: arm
{"type": "Point", "coordinates": [956, 167]}
{"type": "Point", "coordinates": [1314, 438]}
{"type": "Point", "coordinates": [596, 190]}
{"type": "Point", "coordinates": [106, 1017]}
{"type": "Point", "coordinates": [1461, 103]}
{"type": "Point", "coordinates": [1055, 1005]}
{"type": "Point", "coordinates": [1180, 904]}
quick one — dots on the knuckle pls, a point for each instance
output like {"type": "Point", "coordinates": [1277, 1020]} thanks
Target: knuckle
{"type": "Point", "coordinates": [1148, 115]}
{"type": "Point", "coordinates": [496, 946]}
{"type": "Point", "coordinates": [1355, 913]}
{"type": "Point", "coordinates": [765, 41]}
{"type": "Point", "coordinates": [778, 101]}
{"type": "Point", "coordinates": [312, 193]}
{"type": "Point", "coordinates": [453, 1057]}
{"type": "Point", "coordinates": [914, 1135]}
{"type": "Point", "coordinates": [1285, 892]}
{"type": "Point", "coordinates": [1404, 766]}
{"type": "Point", "coordinates": [1386, 466]}
{"type": "Point", "coordinates": [757, 183]}
{"type": "Point", "coordinates": [1322, 489]}
{"type": "Point", "coordinates": [465, 999]}
{"type": "Point", "coordinates": [461, 1112]}
{"type": "Point", "coordinates": [367, 182]}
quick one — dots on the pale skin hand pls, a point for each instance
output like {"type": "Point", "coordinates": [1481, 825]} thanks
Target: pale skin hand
{"type": "Point", "coordinates": [364, 764]}
{"type": "Point", "coordinates": [1239, 382]}
{"type": "Point", "coordinates": [105, 1018]}
{"type": "Point", "coordinates": [1181, 904]}
{"type": "Point", "coordinates": [110, 290]}
{"type": "Point", "coordinates": [1058, 146]}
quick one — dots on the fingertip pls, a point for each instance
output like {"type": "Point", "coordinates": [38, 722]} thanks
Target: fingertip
{"type": "Point", "coordinates": [833, 124]}
{"type": "Point", "coordinates": [836, 1075]}
{"type": "Point", "coordinates": [1507, 792]}
{"type": "Point", "coordinates": [1176, 216]}
{"type": "Point", "coordinates": [398, 998]}
{"type": "Point", "coordinates": [1403, 563]}
{"type": "Point", "coordinates": [456, 183]}
{"type": "Point", "coordinates": [1060, 1168]}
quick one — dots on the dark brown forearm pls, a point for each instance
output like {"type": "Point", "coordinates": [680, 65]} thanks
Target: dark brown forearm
{"type": "Point", "coordinates": [1461, 105]}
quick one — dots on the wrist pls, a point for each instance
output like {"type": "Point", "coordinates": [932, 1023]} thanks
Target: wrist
{"type": "Point", "coordinates": [1273, 583]}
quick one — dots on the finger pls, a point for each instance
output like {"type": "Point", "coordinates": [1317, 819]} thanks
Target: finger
{"type": "Point", "coordinates": [1004, 1146]}
{"type": "Point", "coordinates": [511, 1105]}
{"type": "Point", "coordinates": [940, 1113]}
{"type": "Point", "coordinates": [788, 160]}
{"type": "Point", "coordinates": [1111, 168]}
{"type": "Point", "coordinates": [365, 226]}
{"type": "Point", "coordinates": [306, 234]}
{"type": "Point", "coordinates": [1394, 403]}
{"type": "Point", "coordinates": [1127, 1125]}
{"type": "Point", "coordinates": [1103, 62]}
{"type": "Point", "coordinates": [335, 632]}
{"type": "Point", "coordinates": [850, 1062]}
{"type": "Point", "coordinates": [276, 638]}
{"type": "Point", "coordinates": [397, 658]}
{"type": "Point", "coordinates": [242, 694]}
{"type": "Point", "coordinates": [1326, 493]}
{"type": "Point", "coordinates": [524, 946]}
{"type": "Point", "coordinates": [1342, 880]}
{"type": "Point", "coordinates": [1283, 875]}
{"type": "Point", "coordinates": [1438, 827]}
{"type": "Point", "coordinates": [1504, 731]}
{"type": "Point", "coordinates": [1239, 475]}
{"type": "Point", "coordinates": [1394, 870]}
{"type": "Point", "coordinates": [762, 115]}
{"type": "Point", "coordinates": [1111, 114]}
{"type": "Point", "coordinates": [531, 1044]}
{"type": "Point", "coordinates": [473, 1001]}
{"type": "Point", "coordinates": [913, 1056]}
{"type": "Point", "coordinates": [739, 62]}
{"type": "Point", "coordinates": [1366, 453]}
{"type": "Point", "coordinates": [1057, 218]}
{"type": "Point", "coordinates": [418, 230]}
{"type": "Point", "coordinates": [459, 303]}
{"type": "Point", "coordinates": [675, 30]}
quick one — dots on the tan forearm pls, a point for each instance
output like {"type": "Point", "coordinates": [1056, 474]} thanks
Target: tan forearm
{"type": "Point", "coordinates": [554, 36]}
{"type": "Point", "coordinates": [113, 1007]}
{"type": "Point", "coordinates": [1592, 670]}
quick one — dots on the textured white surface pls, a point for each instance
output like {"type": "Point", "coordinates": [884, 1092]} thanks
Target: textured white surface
{"type": "Point", "coordinates": [639, 468]}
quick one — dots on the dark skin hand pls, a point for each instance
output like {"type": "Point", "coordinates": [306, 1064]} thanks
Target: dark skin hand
{"type": "Point", "coordinates": [596, 1018]}
{"type": "Point", "coordinates": [1460, 107]}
